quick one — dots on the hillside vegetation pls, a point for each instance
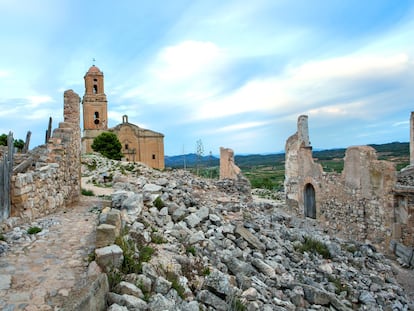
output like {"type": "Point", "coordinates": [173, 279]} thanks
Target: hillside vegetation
{"type": "Point", "coordinates": [268, 171]}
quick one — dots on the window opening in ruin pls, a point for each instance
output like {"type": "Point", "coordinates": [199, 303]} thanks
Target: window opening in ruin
{"type": "Point", "coordinates": [153, 156]}
{"type": "Point", "coordinates": [126, 146]}
{"type": "Point", "coordinates": [309, 201]}
{"type": "Point", "coordinates": [96, 117]}
{"type": "Point", "coordinates": [95, 89]}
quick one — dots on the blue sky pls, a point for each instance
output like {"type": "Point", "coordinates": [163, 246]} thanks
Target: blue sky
{"type": "Point", "coordinates": [235, 74]}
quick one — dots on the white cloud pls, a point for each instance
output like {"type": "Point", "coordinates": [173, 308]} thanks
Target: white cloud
{"type": "Point", "coordinates": [308, 87]}
{"type": "Point", "coordinates": [36, 100]}
{"type": "Point", "coordinates": [185, 72]}
{"type": "Point", "coordinates": [186, 59]}
{"type": "Point", "coordinates": [401, 123]}
{"type": "Point", "coordinates": [4, 73]}
{"type": "Point", "coordinates": [240, 126]}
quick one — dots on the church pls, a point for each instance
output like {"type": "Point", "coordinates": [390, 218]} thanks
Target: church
{"type": "Point", "coordinates": [138, 144]}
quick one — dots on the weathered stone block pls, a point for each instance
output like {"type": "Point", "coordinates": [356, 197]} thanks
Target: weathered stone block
{"type": "Point", "coordinates": [109, 257]}
{"type": "Point", "coordinates": [105, 235]}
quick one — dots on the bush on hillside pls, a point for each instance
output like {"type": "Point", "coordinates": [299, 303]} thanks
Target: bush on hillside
{"type": "Point", "coordinates": [108, 145]}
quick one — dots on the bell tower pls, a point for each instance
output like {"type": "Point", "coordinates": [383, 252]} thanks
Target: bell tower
{"type": "Point", "coordinates": [95, 107]}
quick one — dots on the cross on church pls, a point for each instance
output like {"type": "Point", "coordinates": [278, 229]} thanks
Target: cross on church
{"type": "Point", "coordinates": [93, 61]}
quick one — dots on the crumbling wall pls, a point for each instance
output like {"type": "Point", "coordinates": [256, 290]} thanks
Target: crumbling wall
{"type": "Point", "coordinates": [403, 230]}
{"type": "Point", "coordinates": [412, 138]}
{"type": "Point", "coordinates": [53, 179]}
{"type": "Point", "coordinates": [300, 168]}
{"type": "Point", "coordinates": [356, 204]}
{"type": "Point", "coordinates": [228, 169]}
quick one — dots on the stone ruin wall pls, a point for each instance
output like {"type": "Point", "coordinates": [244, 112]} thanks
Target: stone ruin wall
{"type": "Point", "coordinates": [357, 204]}
{"type": "Point", "coordinates": [53, 180]}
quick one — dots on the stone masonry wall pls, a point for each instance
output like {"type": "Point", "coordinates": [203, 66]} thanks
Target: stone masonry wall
{"type": "Point", "coordinates": [53, 181]}
{"type": "Point", "coordinates": [357, 204]}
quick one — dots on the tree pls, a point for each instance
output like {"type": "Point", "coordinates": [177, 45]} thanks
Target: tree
{"type": "Point", "coordinates": [3, 140]}
{"type": "Point", "coordinates": [200, 153]}
{"type": "Point", "coordinates": [19, 144]}
{"type": "Point", "coordinates": [108, 145]}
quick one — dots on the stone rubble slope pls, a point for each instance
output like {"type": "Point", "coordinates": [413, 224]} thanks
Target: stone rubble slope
{"type": "Point", "coordinates": [217, 249]}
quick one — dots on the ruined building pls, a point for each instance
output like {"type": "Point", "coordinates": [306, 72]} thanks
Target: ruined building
{"type": "Point", "coordinates": [49, 177]}
{"type": "Point", "coordinates": [138, 144]}
{"type": "Point", "coordinates": [366, 202]}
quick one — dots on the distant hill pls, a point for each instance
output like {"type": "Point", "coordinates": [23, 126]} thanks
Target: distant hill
{"type": "Point", "coordinates": [396, 151]}
{"type": "Point", "coordinates": [190, 160]}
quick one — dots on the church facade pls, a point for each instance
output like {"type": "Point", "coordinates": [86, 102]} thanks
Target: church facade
{"type": "Point", "coordinates": [138, 144]}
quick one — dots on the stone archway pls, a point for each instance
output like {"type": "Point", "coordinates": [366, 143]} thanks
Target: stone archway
{"type": "Point", "coordinates": [309, 201]}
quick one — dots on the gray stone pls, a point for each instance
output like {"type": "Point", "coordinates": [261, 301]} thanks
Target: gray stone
{"type": "Point", "coordinates": [316, 296]}
{"type": "Point", "coordinates": [179, 214]}
{"type": "Point", "coordinates": [211, 300]}
{"type": "Point", "coordinates": [192, 220]}
{"type": "Point", "coordinates": [109, 257]}
{"type": "Point", "coordinates": [117, 307]}
{"type": "Point", "coordinates": [249, 238]}
{"type": "Point", "coordinates": [129, 289]}
{"type": "Point", "coordinates": [152, 188]}
{"type": "Point", "coordinates": [218, 283]}
{"type": "Point", "coordinates": [133, 204]}
{"type": "Point", "coordinates": [366, 297]}
{"type": "Point", "coordinates": [120, 196]}
{"type": "Point", "coordinates": [215, 219]}
{"type": "Point", "coordinates": [263, 267]}
{"type": "Point", "coordinates": [131, 302]}
{"type": "Point", "coordinates": [105, 235]}
{"type": "Point", "coordinates": [5, 282]}
{"type": "Point", "coordinates": [190, 306]}
{"type": "Point", "coordinates": [137, 226]}
{"type": "Point", "coordinates": [162, 286]}
{"type": "Point", "coordinates": [144, 282]}
{"type": "Point", "coordinates": [163, 211]}
{"type": "Point", "coordinates": [196, 237]}
{"type": "Point", "coordinates": [203, 213]}
{"type": "Point", "coordinates": [250, 294]}
{"type": "Point", "coordinates": [228, 229]}
{"type": "Point", "coordinates": [160, 303]}
{"type": "Point", "coordinates": [113, 217]}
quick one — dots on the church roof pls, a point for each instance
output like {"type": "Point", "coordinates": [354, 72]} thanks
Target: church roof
{"type": "Point", "coordinates": [94, 69]}
{"type": "Point", "coordinates": [138, 130]}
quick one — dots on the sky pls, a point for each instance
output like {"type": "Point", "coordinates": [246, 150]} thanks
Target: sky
{"type": "Point", "coordinates": [234, 74]}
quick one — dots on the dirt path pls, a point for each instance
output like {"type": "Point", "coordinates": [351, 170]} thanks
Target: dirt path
{"type": "Point", "coordinates": [40, 274]}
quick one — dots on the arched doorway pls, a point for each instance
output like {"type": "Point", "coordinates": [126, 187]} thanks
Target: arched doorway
{"type": "Point", "coordinates": [309, 201]}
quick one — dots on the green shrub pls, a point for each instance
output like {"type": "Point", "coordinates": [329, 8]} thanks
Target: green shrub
{"type": "Point", "coordinates": [34, 230]}
{"type": "Point", "coordinates": [145, 253]}
{"type": "Point", "coordinates": [157, 239]}
{"type": "Point", "coordinates": [339, 287]}
{"type": "Point", "coordinates": [314, 246]}
{"type": "Point", "coordinates": [114, 278]}
{"type": "Point", "coordinates": [190, 250]}
{"type": "Point", "coordinates": [206, 271]}
{"type": "Point", "coordinates": [158, 203]}
{"type": "Point", "coordinates": [236, 304]}
{"type": "Point", "coordinates": [108, 145]}
{"type": "Point", "coordinates": [2, 238]}
{"type": "Point", "coordinates": [87, 192]}
{"type": "Point", "coordinates": [175, 283]}
{"type": "Point", "coordinates": [129, 265]}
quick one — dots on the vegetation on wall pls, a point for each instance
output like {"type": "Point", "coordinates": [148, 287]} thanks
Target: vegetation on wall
{"type": "Point", "coordinates": [108, 145]}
